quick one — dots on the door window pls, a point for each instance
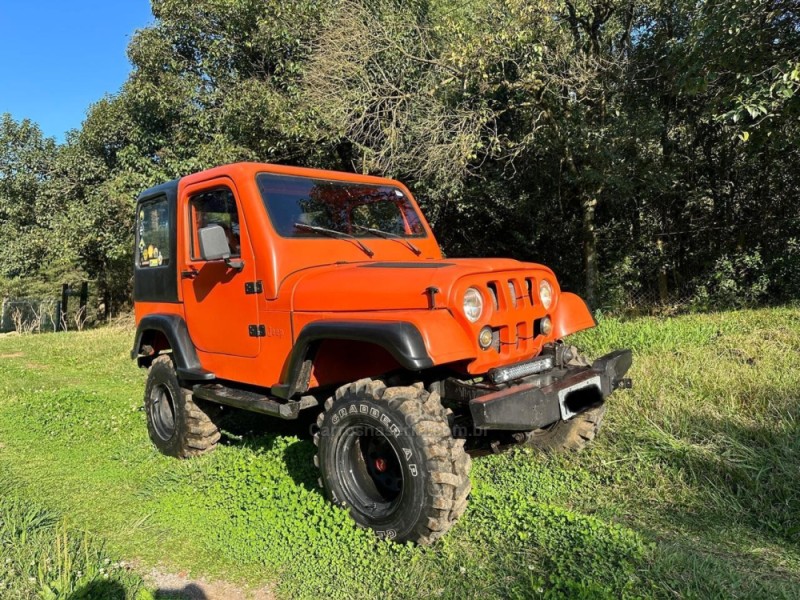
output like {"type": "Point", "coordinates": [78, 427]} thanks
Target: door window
{"type": "Point", "coordinates": [215, 207]}
{"type": "Point", "coordinates": [153, 233]}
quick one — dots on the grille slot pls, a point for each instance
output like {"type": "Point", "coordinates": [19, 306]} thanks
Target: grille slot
{"type": "Point", "coordinates": [513, 293]}
{"type": "Point", "coordinates": [529, 287]}
{"type": "Point", "coordinates": [492, 287]}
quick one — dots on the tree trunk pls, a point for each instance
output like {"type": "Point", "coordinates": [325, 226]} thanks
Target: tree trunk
{"type": "Point", "coordinates": [588, 206]}
{"type": "Point", "coordinates": [663, 290]}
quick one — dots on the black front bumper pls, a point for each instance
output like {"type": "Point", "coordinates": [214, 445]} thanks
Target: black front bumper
{"type": "Point", "coordinates": [545, 398]}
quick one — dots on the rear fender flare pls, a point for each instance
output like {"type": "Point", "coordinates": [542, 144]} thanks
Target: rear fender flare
{"type": "Point", "coordinates": [174, 329]}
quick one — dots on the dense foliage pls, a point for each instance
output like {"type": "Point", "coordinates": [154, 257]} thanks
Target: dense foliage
{"type": "Point", "coordinates": [642, 148]}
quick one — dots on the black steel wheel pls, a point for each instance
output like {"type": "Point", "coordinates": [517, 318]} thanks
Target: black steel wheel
{"type": "Point", "coordinates": [161, 412]}
{"type": "Point", "coordinates": [374, 480]}
{"type": "Point", "coordinates": [387, 454]}
{"type": "Point", "coordinates": [177, 424]}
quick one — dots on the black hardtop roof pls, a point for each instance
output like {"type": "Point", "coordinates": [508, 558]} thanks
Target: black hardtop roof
{"type": "Point", "coordinates": [168, 189]}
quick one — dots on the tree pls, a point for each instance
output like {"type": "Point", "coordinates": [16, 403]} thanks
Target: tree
{"type": "Point", "coordinates": [26, 163]}
{"type": "Point", "coordinates": [643, 148]}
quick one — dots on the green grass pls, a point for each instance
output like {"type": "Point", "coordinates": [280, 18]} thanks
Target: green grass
{"type": "Point", "coordinates": [42, 556]}
{"type": "Point", "coordinates": [691, 490]}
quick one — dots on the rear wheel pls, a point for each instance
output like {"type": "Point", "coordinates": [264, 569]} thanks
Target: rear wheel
{"type": "Point", "coordinates": [178, 425]}
{"type": "Point", "coordinates": [388, 455]}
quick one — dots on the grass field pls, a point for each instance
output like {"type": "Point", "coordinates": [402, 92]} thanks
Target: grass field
{"type": "Point", "coordinates": [691, 490]}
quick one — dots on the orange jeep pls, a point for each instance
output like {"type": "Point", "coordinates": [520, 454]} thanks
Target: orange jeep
{"type": "Point", "coordinates": [281, 290]}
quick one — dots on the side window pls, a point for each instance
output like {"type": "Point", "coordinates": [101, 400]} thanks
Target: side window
{"type": "Point", "coordinates": [215, 207]}
{"type": "Point", "coordinates": [153, 233]}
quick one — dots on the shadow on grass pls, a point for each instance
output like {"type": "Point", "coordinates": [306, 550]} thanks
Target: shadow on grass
{"type": "Point", "coordinates": [260, 432]}
{"type": "Point", "coordinates": [722, 539]}
{"type": "Point", "coordinates": [248, 425]}
{"type": "Point", "coordinates": [748, 476]}
{"type": "Point", "coordinates": [100, 590]}
{"type": "Point", "coordinates": [190, 592]}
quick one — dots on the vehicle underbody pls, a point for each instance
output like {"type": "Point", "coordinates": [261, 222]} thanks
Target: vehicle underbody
{"type": "Point", "coordinates": [555, 386]}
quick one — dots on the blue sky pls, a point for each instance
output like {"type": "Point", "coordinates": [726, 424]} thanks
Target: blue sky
{"type": "Point", "coordinates": [58, 57]}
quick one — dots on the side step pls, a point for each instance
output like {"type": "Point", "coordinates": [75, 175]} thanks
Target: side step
{"type": "Point", "coordinates": [252, 401]}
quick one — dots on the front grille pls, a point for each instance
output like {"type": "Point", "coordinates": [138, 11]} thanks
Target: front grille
{"type": "Point", "coordinates": [516, 312]}
{"type": "Point", "coordinates": [513, 293]}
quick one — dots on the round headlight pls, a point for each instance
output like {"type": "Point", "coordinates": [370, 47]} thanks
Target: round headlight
{"type": "Point", "coordinates": [546, 293]}
{"type": "Point", "coordinates": [473, 304]}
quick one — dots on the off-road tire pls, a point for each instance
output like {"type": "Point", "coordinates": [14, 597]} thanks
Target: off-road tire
{"type": "Point", "coordinates": [193, 431]}
{"type": "Point", "coordinates": [411, 428]}
{"type": "Point", "coordinates": [571, 435]}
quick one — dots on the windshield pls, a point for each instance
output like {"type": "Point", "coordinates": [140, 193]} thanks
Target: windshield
{"type": "Point", "coordinates": [351, 208]}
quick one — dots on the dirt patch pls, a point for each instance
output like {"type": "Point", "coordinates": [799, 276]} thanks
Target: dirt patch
{"type": "Point", "coordinates": [29, 364]}
{"type": "Point", "coordinates": [180, 587]}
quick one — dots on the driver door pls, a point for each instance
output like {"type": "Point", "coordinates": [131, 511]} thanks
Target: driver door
{"type": "Point", "coordinates": [219, 312]}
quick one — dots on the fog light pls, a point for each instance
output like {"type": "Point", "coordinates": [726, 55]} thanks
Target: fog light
{"type": "Point", "coordinates": [485, 337]}
{"type": "Point", "coordinates": [546, 325]}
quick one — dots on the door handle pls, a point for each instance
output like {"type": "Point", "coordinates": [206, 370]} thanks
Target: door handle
{"type": "Point", "coordinates": [190, 274]}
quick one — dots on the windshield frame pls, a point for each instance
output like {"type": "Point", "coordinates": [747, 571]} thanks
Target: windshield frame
{"type": "Point", "coordinates": [355, 234]}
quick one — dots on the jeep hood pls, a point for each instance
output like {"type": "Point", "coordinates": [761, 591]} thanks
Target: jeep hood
{"type": "Point", "coordinates": [374, 286]}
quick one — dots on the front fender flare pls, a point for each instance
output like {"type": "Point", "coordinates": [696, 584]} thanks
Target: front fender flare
{"type": "Point", "coordinates": [401, 339]}
{"type": "Point", "coordinates": [571, 316]}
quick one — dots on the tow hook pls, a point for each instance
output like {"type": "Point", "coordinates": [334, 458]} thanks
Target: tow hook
{"type": "Point", "coordinates": [623, 384]}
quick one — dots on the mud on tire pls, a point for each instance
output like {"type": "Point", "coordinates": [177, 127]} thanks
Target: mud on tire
{"type": "Point", "coordinates": [389, 456]}
{"type": "Point", "coordinates": [178, 425]}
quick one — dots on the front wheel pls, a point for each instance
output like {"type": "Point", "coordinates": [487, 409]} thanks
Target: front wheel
{"type": "Point", "coordinates": [388, 455]}
{"type": "Point", "coordinates": [575, 434]}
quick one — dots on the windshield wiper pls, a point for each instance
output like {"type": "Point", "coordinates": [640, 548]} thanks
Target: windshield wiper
{"type": "Point", "coordinates": [390, 236]}
{"type": "Point", "coordinates": [336, 234]}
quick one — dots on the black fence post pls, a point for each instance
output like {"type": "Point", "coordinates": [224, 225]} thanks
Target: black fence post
{"type": "Point", "coordinates": [62, 311]}
{"type": "Point", "coordinates": [84, 298]}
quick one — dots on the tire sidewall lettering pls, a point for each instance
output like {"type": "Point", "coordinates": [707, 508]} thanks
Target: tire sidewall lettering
{"type": "Point", "coordinates": [403, 439]}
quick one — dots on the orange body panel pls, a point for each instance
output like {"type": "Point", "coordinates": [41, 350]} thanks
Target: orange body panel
{"type": "Point", "coordinates": [306, 280]}
{"type": "Point", "coordinates": [215, 298]}
{"type": "Point", "coordinates": [571, 316]}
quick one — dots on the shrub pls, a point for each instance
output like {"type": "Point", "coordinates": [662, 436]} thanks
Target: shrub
{"type": "Point", "coordinates": [736, 281]}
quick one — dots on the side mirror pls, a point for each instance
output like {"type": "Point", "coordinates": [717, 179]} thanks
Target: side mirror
{"type": "Point", "coordinates": [214, 246]}
{"type": "Point", "coordinates": [213, 243]}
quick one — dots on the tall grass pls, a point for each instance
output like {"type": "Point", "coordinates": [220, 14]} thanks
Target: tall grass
{"type": "Point", "coordinates": [41, 556]}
